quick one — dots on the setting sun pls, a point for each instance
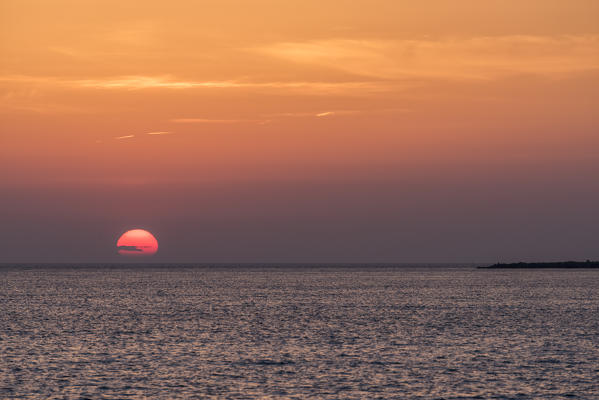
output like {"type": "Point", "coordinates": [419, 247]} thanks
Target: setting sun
{"type": "Point", "coordinates": [137, 242]}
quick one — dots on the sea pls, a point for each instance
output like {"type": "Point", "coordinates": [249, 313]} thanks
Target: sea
{"type": "Point", "coordinates": [297, 332]}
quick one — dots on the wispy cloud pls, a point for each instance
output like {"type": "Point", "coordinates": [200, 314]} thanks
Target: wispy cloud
{"type": "Point", "coordinates": [131, 248]}
{"type": "Point", "coordinates": [167, 82]}
{"type": "Point", "coordinates": [148, 82]}
{"type": "Point", "coordinates": [458, 58]}
{"type": "Point", "coordinates": [172, 83]}
{"type": "Point", "coordinates": [322, 114]}
{"type": "Point", "coordinates": [325, 114]}
{"type": "Point", "coordinates": [368, 67]}
{"type": "Point", "coordinates": [215, 121]}
{"type": "Point", "coordinates": [308, 114]}
{"type": "Point", "coordinates": [147, 133]}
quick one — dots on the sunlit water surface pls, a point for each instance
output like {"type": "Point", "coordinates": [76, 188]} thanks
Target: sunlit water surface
{"type": "Point", "coordinates": [298, 332]}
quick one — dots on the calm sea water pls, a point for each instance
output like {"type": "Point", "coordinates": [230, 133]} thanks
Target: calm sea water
{"type": "Point", "coordinates": [403, 333]}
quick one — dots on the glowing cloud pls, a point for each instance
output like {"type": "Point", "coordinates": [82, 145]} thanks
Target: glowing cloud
{"type": "Point", "coordinates": [325, 114]}
{"type": "Point", "coordinates": [458, 57]}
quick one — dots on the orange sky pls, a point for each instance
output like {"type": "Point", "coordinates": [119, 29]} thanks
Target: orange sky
{"type": "Point", "coordinates": [121, 94]}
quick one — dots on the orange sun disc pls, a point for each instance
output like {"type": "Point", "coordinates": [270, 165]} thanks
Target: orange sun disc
{"type": "Point", "coordinates": [137, 242]}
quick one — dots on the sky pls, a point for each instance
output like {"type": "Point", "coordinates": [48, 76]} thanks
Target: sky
{"type": "Point", "coordinates": [423, 131]}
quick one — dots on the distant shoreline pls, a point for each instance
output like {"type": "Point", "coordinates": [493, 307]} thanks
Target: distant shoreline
{"type": "Point", "coordinates": [159, 265]}
{"type": "Point", "coordinates": [234, 265]}
{"type": "Point", "coordinates": [538, 265]}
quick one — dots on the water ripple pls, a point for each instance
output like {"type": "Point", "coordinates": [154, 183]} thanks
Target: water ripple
{"type": "Point", "coordinates": [349, 333]}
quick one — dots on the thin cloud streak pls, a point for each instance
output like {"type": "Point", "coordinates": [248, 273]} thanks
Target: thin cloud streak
{"type": "Point", "coordinates": [168, 82]}
{"type": "Point", "coordinates": [215, 121]}
{"type": "Point", "coordinates": [149, 82]}
{"type": "Point", "coordinates": [147, 133]}
{"type": "Point", "coordinates": [325, 114]}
